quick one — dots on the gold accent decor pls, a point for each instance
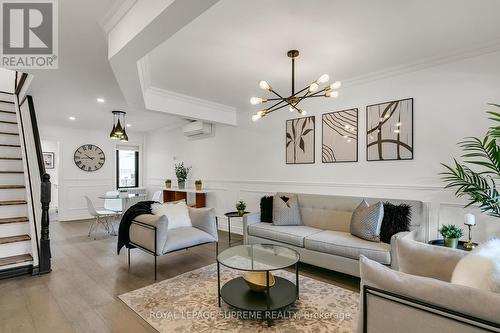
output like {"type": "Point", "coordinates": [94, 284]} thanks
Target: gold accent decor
{"type": "Point", "coordinates": [257, 280]}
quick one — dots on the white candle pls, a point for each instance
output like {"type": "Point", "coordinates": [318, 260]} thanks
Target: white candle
{"type": "Point", "coordinates": [470, 219]}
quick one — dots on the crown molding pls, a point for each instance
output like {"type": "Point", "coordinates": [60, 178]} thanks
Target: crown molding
{"type": "Point", "coordinates": [471, 52]}
{"type": "Point", "coordinates": [118, 10]}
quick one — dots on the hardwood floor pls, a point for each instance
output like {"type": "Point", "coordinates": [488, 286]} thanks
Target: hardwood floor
{"type": "Point", "coordinates": [80, 294]}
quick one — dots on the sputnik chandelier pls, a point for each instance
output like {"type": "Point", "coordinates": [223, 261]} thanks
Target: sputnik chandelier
{"type": "Point", "coordinates": [118, 132]}
{"type": "Point", "coordinates": [292, 101]}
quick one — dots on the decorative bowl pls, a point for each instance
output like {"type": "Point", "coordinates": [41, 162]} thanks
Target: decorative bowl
{"type": "Point", "coordinates": [256, 281]}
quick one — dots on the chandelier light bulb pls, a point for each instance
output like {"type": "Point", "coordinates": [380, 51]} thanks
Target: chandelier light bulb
{"type": "Point", "coordinates": [257, 100]}
{"type": "Point", "coordinates": [264, 85]}
{"type": "Point", "coordinates": [256, 117]}
{"type": "Point", "coordinates": [313, 87]}
{"type": "Point", "coordinates": [332, 94]}
{"type": "Point", "coordinates": [291, 108]}
{"type": "Point", "coordinates": [303, 112]}
{"type": "Point", "coordinates": [323, 79]}
{"type": "Point", "coordinates": [336, 85]}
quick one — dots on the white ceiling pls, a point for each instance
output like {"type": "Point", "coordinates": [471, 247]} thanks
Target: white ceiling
{"type": "Point", "coordinates": [84, 74]}
{"type": "Point", "coordinates": [223, 53]}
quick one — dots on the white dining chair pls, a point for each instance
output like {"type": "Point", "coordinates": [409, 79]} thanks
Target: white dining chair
{"type": "Point", "coordinates": [100, 217]}
{"type": "Point", "coordinates": [157, 196]}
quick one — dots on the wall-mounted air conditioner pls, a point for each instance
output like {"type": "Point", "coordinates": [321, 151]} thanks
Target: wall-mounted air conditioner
{"type": "Point", "coordinates": [197, 129]}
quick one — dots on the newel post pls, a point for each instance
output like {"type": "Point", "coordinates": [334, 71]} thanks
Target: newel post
{"type": "Point", "coordinates": [44, 237]}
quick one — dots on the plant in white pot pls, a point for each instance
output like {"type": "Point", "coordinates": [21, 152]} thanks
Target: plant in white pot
{"type": "Point", "coordinates": [451, 233]}
{"type": "Point", "coordinates": [240, 207]}
{"type": "Point", "coordinates": [181, 172]}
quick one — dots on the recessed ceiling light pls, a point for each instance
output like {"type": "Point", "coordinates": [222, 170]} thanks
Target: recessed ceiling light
{"type": "Point", "coordinates": [100, 100]}
{"type": "Point", "coordinates": [129, 125]}
{"type": "Point", "coordinates": [72, 118]}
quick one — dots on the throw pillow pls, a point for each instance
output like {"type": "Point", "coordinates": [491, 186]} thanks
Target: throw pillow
{"type": "Point", "coordinates": [177, 214]}
{"type": "Point", "coordinates": [266, 209]}
{"type": "Point", "coordinates": [366, 221]}
{"type": "Point", "coordinates": [286, 212]}
{"type": "Point", "coordinates": [480, 268]}
{"type": "Point", "coordinates": [397, 218]}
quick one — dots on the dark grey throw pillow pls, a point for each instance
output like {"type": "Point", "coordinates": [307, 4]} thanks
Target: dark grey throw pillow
{"type": "Point", "coordinates": [397, 218]}
{"type": "Point", "coordinates": [366, 221]}
{"type": "Point", "coordinates": [266, 209]}
{"type": "Point", "coordinates": [286, 212]}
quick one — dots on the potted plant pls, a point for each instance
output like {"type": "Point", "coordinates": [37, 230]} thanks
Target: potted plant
{"type": "Point", "coordinates": [451, 233]}
{"type": "Point", "coordinates": [181, 172]}
{"type": "Point", "coordinates": [240, 207]}
{"type": "Point", "coordinates": [476, 176]}
{"type": "Point", "coordinates": [168, 183]}
{"type": "Point", "coordinates": [197, 185]}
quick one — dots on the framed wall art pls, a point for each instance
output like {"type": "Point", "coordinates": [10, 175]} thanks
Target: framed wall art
{"type": "Point", "coordinates": [339, 136]}
{"type": "Point", "coordinates": [389, 131]}
{"type": "Point", "coordinates": [48, 160]}
{"type": "Point", "coordinates": [300, 140]}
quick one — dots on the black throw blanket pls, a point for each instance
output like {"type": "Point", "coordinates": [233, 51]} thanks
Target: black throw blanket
{"type": "Point", "coordinates": [143, 207]}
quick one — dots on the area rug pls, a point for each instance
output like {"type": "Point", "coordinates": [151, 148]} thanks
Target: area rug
{"type": "Point", "coordinates": [188, 303]}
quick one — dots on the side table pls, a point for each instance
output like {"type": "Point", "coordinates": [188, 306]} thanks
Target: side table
{"type": "Point", "coordinates": [440, 242]}
{"type": "Point", "coordinates": [229, 215]}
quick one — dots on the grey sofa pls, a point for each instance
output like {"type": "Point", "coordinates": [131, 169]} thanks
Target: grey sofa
{"type": "Point", "coordinates": [419, 296]}
{"type": "Point", "coordinates": [150, 233]}
{"type": "Point", "coordinates": [324, 239]}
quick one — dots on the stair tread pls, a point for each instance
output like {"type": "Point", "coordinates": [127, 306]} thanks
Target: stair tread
{"type": "Point", "coordinates": [15, 259]}
{"type": "Point", "coordinates": [10, 158]}
{"type": "Point", "coordinates": [12, 202]}
{"type": "Point", "coordinates": [11, 172]}
{"type": "Point", "coordinates": [11, 187]}
{"type": "Point", "coordinates": [9, 220]}
{"type": "Point", "coordinates": [9, 145]}
{"type": "Point", "coordinates": [9, 133]}
{"type": "Point", "coordinates": [6, 111]}
{"type": "Point", "coordinates": [5, 101]}
{"type": "Point", "coordinates": [14, 239]}
{"type": "Point", "coordinates": [8, 122]}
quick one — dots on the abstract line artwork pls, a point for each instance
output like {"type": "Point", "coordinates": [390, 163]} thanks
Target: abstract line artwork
{"type": "Point", "coordinates": [389, 131]}
{"type": "Point", "coordinates": [340, 136]}
{"type": "Point", "coordinates": [300, 140]}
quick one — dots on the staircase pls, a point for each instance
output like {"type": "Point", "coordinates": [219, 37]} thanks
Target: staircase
{"type": "Point", "coordinates": [16, 250]}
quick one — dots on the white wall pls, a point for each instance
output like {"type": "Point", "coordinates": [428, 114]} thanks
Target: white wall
{"type": "Point", "coordinates": [75, 183]}
{"type": "Point", "coordinates": [247, 161]}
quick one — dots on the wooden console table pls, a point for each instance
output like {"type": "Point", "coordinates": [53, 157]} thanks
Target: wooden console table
{"type": "Point", "coordinates": [175, 194]}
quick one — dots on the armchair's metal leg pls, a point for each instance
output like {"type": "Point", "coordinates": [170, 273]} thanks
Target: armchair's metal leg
{"type": "Point", "coordinates": [91, 227]}
{"type": "Point", "coordinates": [155, 267]}
{"type": "Point", "coordinates": [216, 249]}
{"type": "Point", "coordinates": [128, 257]}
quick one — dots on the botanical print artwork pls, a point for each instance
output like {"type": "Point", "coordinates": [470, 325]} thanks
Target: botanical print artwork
{"type": "Point", "coordinates": [340, 136]}
{"type": "Point", "coordinates": [300, 140]}
{"type": "Point", "coordinates": [389, 134]}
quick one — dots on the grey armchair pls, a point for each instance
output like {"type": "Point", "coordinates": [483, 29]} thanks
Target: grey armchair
{"type": "Point", "coordinates": [150, 233]}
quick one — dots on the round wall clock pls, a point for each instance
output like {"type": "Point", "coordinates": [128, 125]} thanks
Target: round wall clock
{"type": "Point", "coordinates": [89, 158]}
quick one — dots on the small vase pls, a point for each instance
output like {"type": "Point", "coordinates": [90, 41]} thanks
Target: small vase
{"type": "Point", "coordinates": [168, 184]}
{"type": "Point", "coordinates": [241, 212]}
{"type": "Point", "coordinates": [182, 185]}
{"type": "Point", "coordinates": [451, 242]}
{"type": "Point", "coordinates": [198, 187]}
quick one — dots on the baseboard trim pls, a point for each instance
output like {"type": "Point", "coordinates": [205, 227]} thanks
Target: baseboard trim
{"type": "Point", "coordinates": [16, 271]}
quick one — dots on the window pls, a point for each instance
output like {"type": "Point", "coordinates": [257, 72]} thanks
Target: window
{"type": "Point", "coordinates": [127, 167]}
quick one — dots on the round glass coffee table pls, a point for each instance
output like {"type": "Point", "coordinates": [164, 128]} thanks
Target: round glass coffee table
{"type": "Point", "coordinates": [263, 258]}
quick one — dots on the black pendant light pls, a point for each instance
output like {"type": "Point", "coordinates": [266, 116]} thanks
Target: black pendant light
{"type": "Point", "coordinates": [118, 132]}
